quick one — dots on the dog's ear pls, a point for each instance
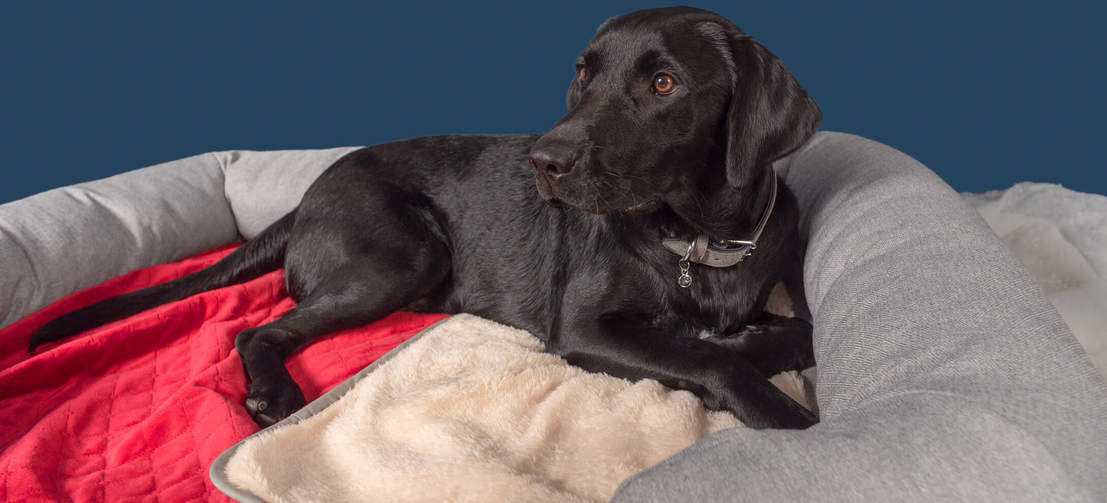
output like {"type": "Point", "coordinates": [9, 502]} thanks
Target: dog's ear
{"type": "Point", "coordinates": [769, 114]}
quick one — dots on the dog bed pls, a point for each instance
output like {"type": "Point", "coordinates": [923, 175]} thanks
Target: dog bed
{"type": "Point", "coordinates": [944, 371]}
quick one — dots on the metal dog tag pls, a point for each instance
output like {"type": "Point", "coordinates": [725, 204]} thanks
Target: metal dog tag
{"type": "Point", "coordinates": [685, 279]}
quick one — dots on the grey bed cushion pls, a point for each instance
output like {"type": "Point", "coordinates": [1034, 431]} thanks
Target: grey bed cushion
{"type": "Point", "coordinates": [263, 186]}
{"type": "Point", "coordinates": [64, 240]}
{"type": "Point", "coordinates": [60, 241]}
{"type": "Point", "coordinates": [944, 373]}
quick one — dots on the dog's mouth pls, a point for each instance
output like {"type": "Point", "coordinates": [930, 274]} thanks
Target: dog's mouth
{"type": "Point", "coordinates": [545, 190]}
{"type": "Point", "coordinates": [595, 206]}
{"type": "Point", "coordinates": [556, 203]}
{"type": "Point", "coordinates": [557, 196]}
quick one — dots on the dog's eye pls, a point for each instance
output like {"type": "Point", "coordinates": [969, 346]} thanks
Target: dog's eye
{"type": "Point", "coordinates": [583, 74]}
{"type": "Point", "coordinates": [664, 83]}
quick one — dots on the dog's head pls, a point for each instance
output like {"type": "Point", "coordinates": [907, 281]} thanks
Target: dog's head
{"type": "Point", "coordinates": [667, 101]}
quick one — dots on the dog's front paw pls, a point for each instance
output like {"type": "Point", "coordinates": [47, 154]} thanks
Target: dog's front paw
{"type": "Point", "coordinates": [268, 407]}
{"type": "Point", "coordinates": [783, 345]}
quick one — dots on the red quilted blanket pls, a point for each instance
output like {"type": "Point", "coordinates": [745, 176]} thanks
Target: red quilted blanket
{"type": "Point", "coordinates": [137, 410]}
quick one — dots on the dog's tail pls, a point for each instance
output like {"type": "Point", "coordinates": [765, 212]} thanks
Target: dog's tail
{"type": "Point", "coordinates": [257, 256]}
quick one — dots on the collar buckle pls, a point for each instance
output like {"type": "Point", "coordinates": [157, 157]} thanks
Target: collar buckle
{"type": "Point", "coordinates": [723, 252]}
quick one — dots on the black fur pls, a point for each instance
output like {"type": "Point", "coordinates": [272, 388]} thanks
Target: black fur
{"type": "Point", "coordinates": [559, 234]}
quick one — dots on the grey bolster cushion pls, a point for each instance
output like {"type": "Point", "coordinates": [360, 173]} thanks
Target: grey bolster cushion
{"type": "Point", "coordinates": [943, 371]}
{"type": "Point", "coordinates": [64, 240]}
{"type": "Point", "coordinates": [264, 186]}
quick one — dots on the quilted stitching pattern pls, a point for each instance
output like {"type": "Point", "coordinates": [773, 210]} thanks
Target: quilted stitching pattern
{"type": "Point", "coordinates": [137, 410]}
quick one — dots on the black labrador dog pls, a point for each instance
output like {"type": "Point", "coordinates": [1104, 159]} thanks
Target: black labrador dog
{"type": "Point", "coordinates": [648, 249]}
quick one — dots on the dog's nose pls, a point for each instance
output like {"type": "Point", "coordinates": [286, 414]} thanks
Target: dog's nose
{"type": "Point", "coordinates": [554, 161]}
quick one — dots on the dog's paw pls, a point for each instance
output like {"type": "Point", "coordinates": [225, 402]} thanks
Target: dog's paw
{"type": "Point", "coordinates": [270, 407]}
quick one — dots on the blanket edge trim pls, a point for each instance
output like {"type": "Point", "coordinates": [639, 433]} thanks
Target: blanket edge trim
{"type": "Point", "coordinates": [218, 470]}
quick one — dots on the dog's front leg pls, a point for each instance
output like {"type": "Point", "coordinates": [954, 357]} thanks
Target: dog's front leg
{"type": "Point", "coordinates": [722, 378]}
{"type": "Point", "coordinates": [773, 344]}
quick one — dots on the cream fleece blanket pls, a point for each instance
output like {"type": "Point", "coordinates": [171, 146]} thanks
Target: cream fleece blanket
{"type": "Point", "coordinates": [472, 410]}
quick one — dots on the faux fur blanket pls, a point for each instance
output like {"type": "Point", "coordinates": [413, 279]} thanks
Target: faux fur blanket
{"type": "Point", "coordinates": [471, 410]}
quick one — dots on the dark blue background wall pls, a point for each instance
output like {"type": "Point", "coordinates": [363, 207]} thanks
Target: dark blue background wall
{"type": "Point", "coordinates": [985, 93]}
